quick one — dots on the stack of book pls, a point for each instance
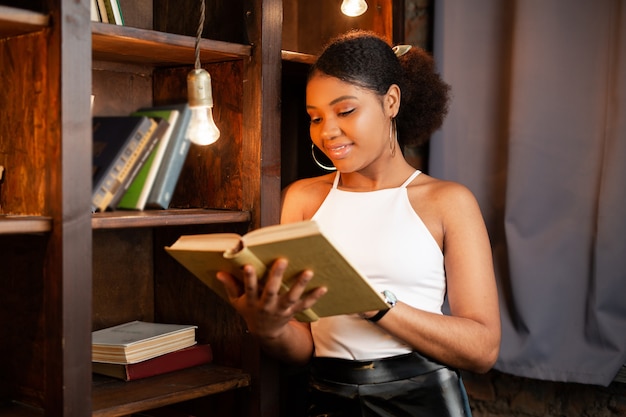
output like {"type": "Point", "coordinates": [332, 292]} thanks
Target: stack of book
{"type": "Point", "coordinates": [137, 159]}
{"type": "Point", "coordinates": [139, 349]}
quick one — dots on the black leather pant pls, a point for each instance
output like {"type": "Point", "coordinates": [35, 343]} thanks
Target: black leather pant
{"type": "Point", "coordinates": [405, 386]}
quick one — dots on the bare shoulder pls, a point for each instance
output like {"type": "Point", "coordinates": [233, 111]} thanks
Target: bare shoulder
{"type": "Point", "coordinates": [443, 205]}
{"type": "Point", "coordinates": [302, 198]}
{"type": "Point", "coordinates": [441, 193]}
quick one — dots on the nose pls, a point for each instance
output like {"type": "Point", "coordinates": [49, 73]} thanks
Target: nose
{"type": "Point", "coordinates": [330, 129]}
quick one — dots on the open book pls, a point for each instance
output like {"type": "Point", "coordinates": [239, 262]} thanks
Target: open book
{"type": "Point", "coordinates": [303, 244]}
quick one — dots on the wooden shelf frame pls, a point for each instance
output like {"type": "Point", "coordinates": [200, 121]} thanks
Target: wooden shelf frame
{"type": "Point", "coordinates": [132, 45]}
{"type": "Point", "coordinates": [297, 57]}
{"type": "Point", "coordinates": [158, 218]}
{"type": "Point", "coordinates": [111, 397]}
{"type": "Point", "coordinates": [11, 225]}
{"type": "Point", "coordinates": [15, 22]}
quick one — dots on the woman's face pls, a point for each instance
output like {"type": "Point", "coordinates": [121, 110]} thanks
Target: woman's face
{"type": "Point", "coordinates": [349, 124]}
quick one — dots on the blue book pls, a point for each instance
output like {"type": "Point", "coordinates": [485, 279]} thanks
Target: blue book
{"type": "Point", "coordinates": [172, 164]}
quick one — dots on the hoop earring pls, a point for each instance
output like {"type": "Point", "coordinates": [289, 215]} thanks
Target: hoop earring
{"type": "Point", "coordinates": [318, 163]}
{"type": "Point", "coordinates": [393, 137]}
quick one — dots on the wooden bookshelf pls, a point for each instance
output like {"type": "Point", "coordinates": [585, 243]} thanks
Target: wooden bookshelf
{"type": "Point", "coordinates": [66, 271]}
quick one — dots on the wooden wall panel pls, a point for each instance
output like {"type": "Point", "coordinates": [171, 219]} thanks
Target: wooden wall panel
{"type": "Point", "coordinates": [313, 23]}
{"type": "Point", "coordinates": [123, 285]}
{"type": "Point", "coordinates": [25, 153]}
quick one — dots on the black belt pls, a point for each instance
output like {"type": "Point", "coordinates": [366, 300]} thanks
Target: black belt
{"type": "Point", "coordinates": [372, 371]}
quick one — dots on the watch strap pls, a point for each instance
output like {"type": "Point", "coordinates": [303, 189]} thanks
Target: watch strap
{"type": "Point", "coordinates": [378, 316]}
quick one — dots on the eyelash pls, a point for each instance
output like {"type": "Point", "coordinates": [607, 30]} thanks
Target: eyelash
{"type": "Point", "coordinates": [316, 120]}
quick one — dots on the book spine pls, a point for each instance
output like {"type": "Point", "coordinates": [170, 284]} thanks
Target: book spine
{"type": "Point", "coordinates": [102, 11]}
{"type": "Point", "coordinates": [175, 361]}
{"type": "Point", "coordinates": [181, 359]}
{"type": "Point", "coordinates": [131, 198]}
{"type": "Point", "coordinates": [112, 182]}
{"type": "Point", "coordinates": [137, 193]}
{"type": "Point", "coordinates": [138, 159]}
{"type": "Point", "coordinates": [109, 11]}
{"type": "Point", "coordinates": [117, 12]}
{"type": "Point", "coordinates": [95, 13]}
{"type": "Point", "coordinates": [167, 177]}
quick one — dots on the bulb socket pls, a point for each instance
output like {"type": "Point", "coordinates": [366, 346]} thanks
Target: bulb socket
{"type": "Point", "coordinates": [199, 91]}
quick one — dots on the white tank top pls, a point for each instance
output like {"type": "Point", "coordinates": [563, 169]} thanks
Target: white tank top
{"type": "Point", "coordinates": [382, 235]}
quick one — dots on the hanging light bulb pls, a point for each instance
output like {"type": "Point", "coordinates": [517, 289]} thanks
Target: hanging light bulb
{"type": "Point", "coordinates": [202, 129]}
{"type": "Point", "coordinates": [353, 8]}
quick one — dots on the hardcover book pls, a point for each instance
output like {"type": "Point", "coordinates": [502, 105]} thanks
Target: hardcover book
{"type": "Point", "coordinates": [95, 13]}
{"type": "Point", "coordinates": [102, 9]}
{"type": "Point", "coordinates": [136, 195]}
{"type": "Point", "coordinates": [169, 362]}
{"type": "Point", "coordinates": [119, 144]}
{"type": "Point", "coordinates": [150, 143]}
{"type": "Point", "coordinates": [303, 244]}
{"type": "Point", "coordinates": [172, 165]}
{"type": "Point", "coordinates": [138, 341]}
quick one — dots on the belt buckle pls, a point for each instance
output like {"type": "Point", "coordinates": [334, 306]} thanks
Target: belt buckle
{"type": "Point", "coordinates": [365, 366]}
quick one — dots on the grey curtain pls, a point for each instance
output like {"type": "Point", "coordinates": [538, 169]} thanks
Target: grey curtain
{"type": "Point", "coordinates": [537, 129]}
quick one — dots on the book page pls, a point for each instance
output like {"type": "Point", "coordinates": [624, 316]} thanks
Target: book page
{"type": "Point", "coordinates": [214, 242]}
{"type": "Point", "coordinates": [281, 232]}
{"type": "Point", "coordinates": [243, 256]}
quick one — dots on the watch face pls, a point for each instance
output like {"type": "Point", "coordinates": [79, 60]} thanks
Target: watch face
{"type": "Point", "coordinates": [390, 298]}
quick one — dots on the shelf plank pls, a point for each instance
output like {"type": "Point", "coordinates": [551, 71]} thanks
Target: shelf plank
{"type": "Point", "coordinates": [11, 225]}
{"type": "Point", "coordinates": [154, 218]}
{"type": "Point", "coordinates": [132, 45]}
{"type": "Point", "coordinates": [111, 397]}
{"type": "Point", "coordinates": [297, 57]}
{"type": "Point", "coordinates": [14, 21]}
{"type": "Point", "coordinates": [19, 410]}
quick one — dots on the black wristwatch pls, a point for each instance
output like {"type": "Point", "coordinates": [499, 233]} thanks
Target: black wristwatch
{"type": "Point", "coordinates": [390, 298]}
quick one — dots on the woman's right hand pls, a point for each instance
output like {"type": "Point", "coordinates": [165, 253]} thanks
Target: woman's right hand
{"type": "Point", "coordinates": [265, 310]}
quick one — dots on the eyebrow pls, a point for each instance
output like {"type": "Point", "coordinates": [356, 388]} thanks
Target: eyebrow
{"type": "Point", "coordinates": [335, 101]}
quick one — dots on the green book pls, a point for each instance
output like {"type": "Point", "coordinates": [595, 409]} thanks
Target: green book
{"type": "Point", "coordinates": [139, 189]}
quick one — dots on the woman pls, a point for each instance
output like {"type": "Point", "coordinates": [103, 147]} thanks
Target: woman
{"type": "Point", "coordinates": [417, 239]}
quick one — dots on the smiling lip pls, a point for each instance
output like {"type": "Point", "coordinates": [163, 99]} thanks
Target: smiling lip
{"type": "Point", "coordinates": [338, 151]}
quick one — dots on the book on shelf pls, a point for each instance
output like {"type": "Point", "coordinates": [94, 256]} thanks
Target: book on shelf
{"type": "Point", "coordinates": [120, 146]}
{"type": "Point", "coordinates": [171, 167]}
{"type": "Point", "coordinates": [117, 12]}
{"type": "Point", "coordinates": [102, 11]}
{"type": "Point", "coordinates": [110, 12]}
{"type": "Point", "coordinates": [188, 357]}
{"type": "Point", "coordinates": [95, 12]}
{"type": "Point", "coordinates": [138, 341]}
{"type": "Point", "coordinates": [137, 193]}
{"type": "Point", "coordinates": [303, 244]}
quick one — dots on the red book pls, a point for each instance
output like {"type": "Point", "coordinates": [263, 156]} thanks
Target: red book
{"type": "Point", "coordinates": [173, 361]}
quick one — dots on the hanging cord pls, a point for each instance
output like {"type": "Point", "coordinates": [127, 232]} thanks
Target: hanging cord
{"type": "Point", "coordinates": [199, 34]}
